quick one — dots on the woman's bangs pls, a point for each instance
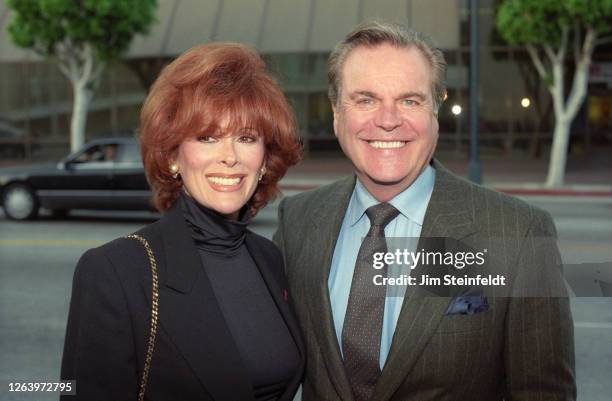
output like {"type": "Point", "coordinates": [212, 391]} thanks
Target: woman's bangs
{"type": "Point", "coordinates": [247, 113]}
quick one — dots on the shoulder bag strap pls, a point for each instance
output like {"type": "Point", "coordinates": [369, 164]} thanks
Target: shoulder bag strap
{"type": "Point", "coordinates": [154, 315]}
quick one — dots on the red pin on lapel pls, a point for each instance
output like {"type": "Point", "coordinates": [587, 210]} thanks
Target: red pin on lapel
{"type": "Point", "coordinates": [285, 294]}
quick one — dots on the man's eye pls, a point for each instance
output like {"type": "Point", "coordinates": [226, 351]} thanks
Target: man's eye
{"type": "Point", "coordinates": [206, 139]}
{"type": "Point", "coordinates": [410, 102]}
{"type": "Point", "coordinates": [365, 101]}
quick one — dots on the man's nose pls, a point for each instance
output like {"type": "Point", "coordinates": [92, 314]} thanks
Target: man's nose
{"type": "Point", "coordinates": [228, 155]}
{"type": "Point", "coordinates": [388, 117]}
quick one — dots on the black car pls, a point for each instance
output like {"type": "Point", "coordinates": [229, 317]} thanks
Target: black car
{"type": "Point", "coordinates": [105, 174]}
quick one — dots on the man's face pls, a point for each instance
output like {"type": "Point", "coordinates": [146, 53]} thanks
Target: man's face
{"type": "Point", "coordinates": [384, 118]}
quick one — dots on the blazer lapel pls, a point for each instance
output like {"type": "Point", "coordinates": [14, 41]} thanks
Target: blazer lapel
{"type": "Point", "coordinates": [263, 262]}
{"type": "Point", "coordinates": [191, 316]}
{"type": "Point", "coordinates": [325, 230]}
{"type": "Point", "coordinates": [422, 311]}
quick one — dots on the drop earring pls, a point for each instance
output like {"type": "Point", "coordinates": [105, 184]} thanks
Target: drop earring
{"type": "Point", "coordinates": [262, 172]}
{"type": "Point", "coordinates": [174, 171]}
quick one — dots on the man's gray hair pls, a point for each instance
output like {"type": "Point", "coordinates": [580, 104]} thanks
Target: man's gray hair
{"type": "Point", "coordinates": [376, 32]}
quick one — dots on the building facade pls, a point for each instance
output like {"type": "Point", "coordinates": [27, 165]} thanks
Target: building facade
{"type": "Point", "coordinates": [295, 37]}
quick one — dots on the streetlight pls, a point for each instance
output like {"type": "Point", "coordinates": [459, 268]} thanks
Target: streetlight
{"type": "Point", "coordinates": [474, 168]}
{"type": "Point", "coordinates": [456, 109]}
{"type": "Point", "coordinates": [525, 102]}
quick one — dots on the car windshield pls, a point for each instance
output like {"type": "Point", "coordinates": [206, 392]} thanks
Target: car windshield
{"type": "Point", "coordinates": [98, 153]}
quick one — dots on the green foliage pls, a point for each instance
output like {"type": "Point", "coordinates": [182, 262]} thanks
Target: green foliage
{"type": "Point", "coordinates": [532, 21]}
{"type": "Point", "coordinates": [108, 25]}
{"type": "Point", "coordinates": [540, 22]}
{"type": "Point", "coordinates": [596, 13]}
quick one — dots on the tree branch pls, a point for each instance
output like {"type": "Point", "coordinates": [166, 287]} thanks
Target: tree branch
{"type": "Point", "coordinates": [577, 40]}
{"type": "Point", "coordinates": [65, 54]}
{"type": "Point", "coordinates": [97, 74]}
{"type": "Point", "coordinates": [86, 56]}
{"type": "Point", "coordinates": [550, 53]}
{"type": "Point", "coordinates": [563, 46]}
{"type": "Point", "coordinates": [64, 68]}
{"type": "Point", "coordinates": [537, 61]}
{"type": "Point", "coordinates": [74, 67]}
{"type": "Point", "coordinates": [557, 88]}
{"type": "Point", "coordinates": [590, 40]}
{"type": "Point", "coordinates": [581, 73]}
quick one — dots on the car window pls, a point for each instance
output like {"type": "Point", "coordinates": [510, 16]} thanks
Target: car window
{"type": "Point", "coordinates": [105, 153]}
{"type": "Point", "coordinates": [128, 153]}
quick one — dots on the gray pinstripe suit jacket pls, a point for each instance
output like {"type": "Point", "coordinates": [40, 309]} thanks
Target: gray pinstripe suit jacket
{"type": "Point", "coordinates": [520, 349]}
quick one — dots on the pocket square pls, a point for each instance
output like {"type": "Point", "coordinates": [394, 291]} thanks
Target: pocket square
{"type": "Point", "coordinates": [468, 305]}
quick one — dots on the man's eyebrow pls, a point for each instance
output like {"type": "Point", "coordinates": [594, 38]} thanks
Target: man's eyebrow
{"type": "Point", "coordinates": [420, 95]}
{"type": "Point", "coordinates": [355, 94]}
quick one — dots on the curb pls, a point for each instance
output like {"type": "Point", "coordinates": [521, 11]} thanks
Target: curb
{"type": "Point", "coordinates": [553, 192]}
{"type": "Point", "coordinates": [526, 189]}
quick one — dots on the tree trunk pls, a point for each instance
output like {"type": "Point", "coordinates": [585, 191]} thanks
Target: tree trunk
{"type": "Point", "coordinates": [80, 106]}
{"type": "Point", "coordinates": [558, 154]}
{"type": "Point", "coordinates": [565, 112]}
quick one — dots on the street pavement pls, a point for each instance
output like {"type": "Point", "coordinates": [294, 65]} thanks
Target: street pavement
{"type": "Point", "coordinates": [37, 260]}
{"type": "Point", "coordinates": [586, 174]}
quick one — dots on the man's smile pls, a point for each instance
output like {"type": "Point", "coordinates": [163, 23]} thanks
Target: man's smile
{"type": "Point", "coordinates": [387, 144]}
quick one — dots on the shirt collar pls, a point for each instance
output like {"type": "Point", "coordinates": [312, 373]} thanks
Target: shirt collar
{"type": "Point", "coordinates": [411, 202]}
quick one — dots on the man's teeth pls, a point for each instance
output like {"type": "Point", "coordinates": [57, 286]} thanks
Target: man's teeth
{"type": "Point", "coordinates": [224, 181]}
{"type": "Point", "coordinates": [387, 144]}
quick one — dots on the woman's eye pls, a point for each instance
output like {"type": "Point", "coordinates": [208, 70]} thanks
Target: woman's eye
{"type": "Point", "coordinates": [206, 139]}
{"type": "Point", "coordinates": [247, 138]}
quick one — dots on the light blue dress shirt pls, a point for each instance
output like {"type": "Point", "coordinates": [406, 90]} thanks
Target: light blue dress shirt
{"type": "Point", "coordinates": [412, 204]}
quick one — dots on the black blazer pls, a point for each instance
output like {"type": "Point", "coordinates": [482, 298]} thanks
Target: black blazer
{"type": "Point", "coordinates": [195, 357]}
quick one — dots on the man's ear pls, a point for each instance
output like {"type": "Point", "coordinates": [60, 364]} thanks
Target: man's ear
{"type": "Point", "coordinates": [335, 112]}
{"type": "Point", "coordinates": [436, 124]}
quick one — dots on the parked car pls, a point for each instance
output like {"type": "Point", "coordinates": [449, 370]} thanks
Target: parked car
{"type": "Point", "coordinates": [105, 174]}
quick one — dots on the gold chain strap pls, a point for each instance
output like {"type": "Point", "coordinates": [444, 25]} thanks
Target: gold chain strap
{"type": "Point", "coordinates": [154, 315]}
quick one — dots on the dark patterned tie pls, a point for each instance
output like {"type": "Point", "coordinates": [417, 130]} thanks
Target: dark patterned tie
{"type": "Point", "coordinates": [365, 310]}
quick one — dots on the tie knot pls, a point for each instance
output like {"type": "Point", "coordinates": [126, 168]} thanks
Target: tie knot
{"type": "Point", "coordinates": [380, 215]}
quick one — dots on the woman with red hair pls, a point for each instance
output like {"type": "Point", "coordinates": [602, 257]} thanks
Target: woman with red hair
{"type": "Point", "coordinates": [195, 306]}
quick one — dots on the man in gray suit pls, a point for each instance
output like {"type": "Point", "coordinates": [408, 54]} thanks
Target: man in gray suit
{"type": "Point", "coordinates": [386, 86]}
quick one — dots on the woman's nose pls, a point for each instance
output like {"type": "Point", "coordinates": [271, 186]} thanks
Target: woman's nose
{"type": "Point", "coordinates": [228, 155]}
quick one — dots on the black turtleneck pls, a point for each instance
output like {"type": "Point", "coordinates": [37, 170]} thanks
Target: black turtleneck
{"type": "Point", "coordinates": [259, 331]}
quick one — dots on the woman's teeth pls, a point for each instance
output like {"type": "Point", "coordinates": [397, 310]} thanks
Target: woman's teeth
{"type": "Point", "coordinates": [386, 144]}
{"type": "Point", "coordinates": [224, 181]}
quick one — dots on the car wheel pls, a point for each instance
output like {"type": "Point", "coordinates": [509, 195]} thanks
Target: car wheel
{"type": "Point", "coordinates": [19, 202]}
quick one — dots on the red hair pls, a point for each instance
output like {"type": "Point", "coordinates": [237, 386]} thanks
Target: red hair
{"type": "Point", "coordinates": [192, 95]}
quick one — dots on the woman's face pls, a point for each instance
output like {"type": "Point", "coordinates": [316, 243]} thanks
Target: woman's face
{"type": "Point", "coordinates": [222, 172]}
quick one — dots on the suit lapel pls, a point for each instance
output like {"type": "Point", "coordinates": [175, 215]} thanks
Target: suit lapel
{"type": "Point", "coordinates": [191, 316]}
{"type": "Point", "coordinates": [421, 313]}
{"type": "Point", "coordinates": [326, 227]}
